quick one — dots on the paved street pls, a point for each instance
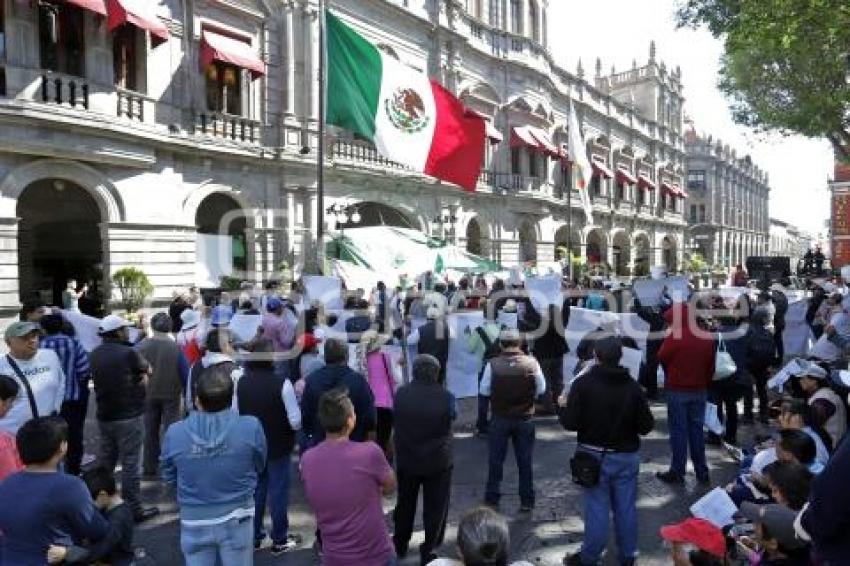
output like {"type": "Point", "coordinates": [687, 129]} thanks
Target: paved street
{"type": "Point", "coordinates": [554, 528]}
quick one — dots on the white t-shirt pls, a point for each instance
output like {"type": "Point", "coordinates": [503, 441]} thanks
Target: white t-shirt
{"type": "Point", "coordinates": [47, 380]}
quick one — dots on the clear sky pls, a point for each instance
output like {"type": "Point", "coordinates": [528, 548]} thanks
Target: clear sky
{"type": "Point", "coordinates": [618, 31]}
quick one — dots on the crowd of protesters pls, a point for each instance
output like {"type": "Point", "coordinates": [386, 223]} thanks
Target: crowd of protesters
{"type": "Point", "coordinates": [223, 421]}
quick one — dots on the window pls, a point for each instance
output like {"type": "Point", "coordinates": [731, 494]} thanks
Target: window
{"type": "Point", "coordinates": [124, 59]}
{"type": "Point", "coordinates": [621, 191]}
{"type": "Point", "coordinates": [2, 31]}
{"type": "Point", "coordinates": [644, 197]}
{"type": "Point", "coordinates": [533, 22]}
{"type": "Point", "coordinates": [696, 179]}
{"type": "Point", "coordinates": [702, 213]}
{"type": "Point", "coordinates": [224, 88]}
{"type": "Point", "coordinates": [516, 16]}
{"type": "Point", "coordinates": [516, 160]}
{"type": "Point", "coordinates": [595, 186]}
{"type": "Point", "coordinates": [693, 214]}
{"type": "Point", "coordinates": [664, 198]}
{"type": "Point", "coordinates": [60, 37]}
{"type": "Point", "coordinates": [475, 8]}
{"type": "Point", "coordinates": [533, 164]}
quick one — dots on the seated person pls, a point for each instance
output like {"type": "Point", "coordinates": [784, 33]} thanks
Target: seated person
{"type": "Point", "coordinates": [789, 483]}
{"type": "Point", "coordinates": [695, 541]}
{"type": "Point", "coordinates": [482, 539]}
{"type": "Point", "coordinates": [774, 541]}
{"type": "Point", "coordinates": [116, 548]}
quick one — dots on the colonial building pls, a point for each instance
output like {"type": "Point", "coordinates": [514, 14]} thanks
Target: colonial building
{"type": "Point", "coordinates": [788, 240]}
{"type": "Point", "coordinates": [727, 203]}
{"type": "Point", "coordinates": [131, 126]}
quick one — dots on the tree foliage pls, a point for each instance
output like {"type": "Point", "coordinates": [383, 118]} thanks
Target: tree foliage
{"type": "Point", "coordinates": [134, 287]}
{"type": "Point", "coordinates": [786, 65]}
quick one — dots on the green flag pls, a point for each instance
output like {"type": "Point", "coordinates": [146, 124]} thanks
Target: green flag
{"type": "Point", "coordinates": [439, 266]}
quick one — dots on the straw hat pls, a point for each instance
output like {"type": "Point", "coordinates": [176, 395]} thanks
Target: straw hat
{"type": "Point", "coordinates": [371, 340]}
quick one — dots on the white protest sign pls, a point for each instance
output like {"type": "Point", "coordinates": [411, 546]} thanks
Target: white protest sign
{"type": "Point", "coordinates": [86, 328]}
{"type": "Point", "coordinates": [544, 291]}
{"type": "Point", "coordinates": [631, 361]}
{"type": "Point", "coordinates": [244, 326]}
{"type": "Point", "coordinates": [678, 288]}
{"type": "Point", "coordinates": [463, 365]}
{"type": "Point", "coordinates": [648, 291]}
{"type": "Point", "coordinates": [716, 507]}
{"type": "Point", "coordinates": [777, 382]}
{"type": "Point", "coordinates": [825, 350]}
{"type": "Point", "coordinates": [325, 290]}
{"type": "Point", "coordinates": [797, 337]}
{"type": "Point", "coordinates": [508, 319]}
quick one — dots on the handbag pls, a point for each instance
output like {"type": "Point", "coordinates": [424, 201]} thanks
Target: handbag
{"type": "Point", "coordinates": [724, 365]}
{"type": "Point", "coordinates": [26, 383]}
{"type": "Point", "coordinates": [586, 468]}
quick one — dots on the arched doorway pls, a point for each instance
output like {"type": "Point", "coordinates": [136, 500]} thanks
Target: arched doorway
{"type": "Point", "coordinates": [669, 254]}
{"type": "Point", "coordinates": [642, 253]}
{"type": "Point", "coordinates": [596, 252]}
{"type": "Point", "coordinates": [564, 238]}
{"type": "Point", "coordinates": [622, 254]}
{"type": "Point", "coordinates": [527, 242]}
{"type": "Point", "coordinates": [222, 246]}
{"type": "Point", "coordinates": [473, 237]}
{"type": "Point", "coordinates": [59, 238]}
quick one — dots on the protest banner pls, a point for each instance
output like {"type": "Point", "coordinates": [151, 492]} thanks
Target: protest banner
{"type": "Point", "coordinates": [544, 291]}
{"type": "Point", "coordinates": [244, 326]}
{"type": "Point", "coordinates": [678, 288]}
{"type": "Point", "coordinates": [648, 291]}
{"type": "Point", "coordinates": [462, 369]}
{"type": "Point", "coordinates": [325, 290]}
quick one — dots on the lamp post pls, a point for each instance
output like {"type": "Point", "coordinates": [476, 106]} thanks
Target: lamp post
{"type": "Point", "coordinates": [344, 214]}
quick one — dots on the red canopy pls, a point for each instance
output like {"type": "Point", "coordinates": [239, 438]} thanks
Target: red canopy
{"type": "Point", "coordinates": [217, 47]}
{"type": "Point", "coordinates": [625, 176]}
{"type": "Point", "coordinates": [645, 182]}
{"type": "Point", "coordinates": [137, 12]}
{"type": "Point", "coordinates": [599, 168]}
{"type": "Point", "coordinates": [544, 143]}
{"type": "Point", "coordinates": [96, 6]}
{"type": "Point", "coordinates": [674, 190]}
{"type": "Point", "coordinates": [521, 137]}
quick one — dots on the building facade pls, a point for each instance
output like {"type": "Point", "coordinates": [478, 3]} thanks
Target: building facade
{"type": "Point", "coordinates": [131, 127]}
{"type": "Point", "coordinates": [839, 223]}
{"type": "Point", "coordinates": [727, 203]}
{"type": "Point", "coordinates": [788, 240]}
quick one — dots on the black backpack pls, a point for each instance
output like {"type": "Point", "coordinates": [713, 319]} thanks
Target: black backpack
{"type": "Point", "coordinates": [762, 348]}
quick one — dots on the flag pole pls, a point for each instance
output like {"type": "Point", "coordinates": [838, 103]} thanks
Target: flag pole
{"type": "Point", "coordinates": [320, 159]}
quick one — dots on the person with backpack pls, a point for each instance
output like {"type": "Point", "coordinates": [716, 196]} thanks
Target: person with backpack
{"type": "Point", "coordinates": [483, 341]}
{"type": "Point", "coordinates": [218, 358]}
{"type": "Point", "coordinates": [762, 354]}
{"type": "Point", "coordinates": [191, 336]}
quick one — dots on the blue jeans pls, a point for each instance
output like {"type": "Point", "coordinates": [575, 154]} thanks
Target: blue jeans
{"type": "Point", "coordinates": [685, 418]}
{"type": "Point", "coordinates": [616, 492]}
{"type": "Point", "coordinates": [520, 431]}
{"type": "Point", "coordinates": [273, 487]}
{"type": "Point", "coordinates": [229, 543]}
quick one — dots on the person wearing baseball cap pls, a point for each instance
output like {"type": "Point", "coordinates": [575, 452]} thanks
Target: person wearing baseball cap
{"type": "Point", "coordinates": [775, 539]}
{"type": "Point", "coordinates": [828, 409]}
{"type": "Point", "coordinates": [120, 373]}
{"type": "Point", "coordinates": [38, 372]}
{"type": "Point", "coordinates": [695, 537]}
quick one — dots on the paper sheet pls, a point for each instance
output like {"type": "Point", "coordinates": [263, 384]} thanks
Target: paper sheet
{"type": "Point", "coordinates": [244, 326]}
{"type": "Point", "coordinates": [716, 507]}
{"type": "Point", "coordinates": [648, 291]}
{"type": "Point", "coordinates": [631, 360]}
{"type": "Point", "coordinates": [326, 290]}
{"type": "Point", "coordinates": [712, 420]}
{"type": "Point", "coordinates": [544, 291]}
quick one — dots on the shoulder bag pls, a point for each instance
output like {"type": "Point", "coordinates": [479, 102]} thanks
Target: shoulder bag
{"type": "Point", "coordinates": [724, 365]}
{"type": "Point", "coordinates": [26, 384]}
{"type": "Point", "coordinates": [587, 468]}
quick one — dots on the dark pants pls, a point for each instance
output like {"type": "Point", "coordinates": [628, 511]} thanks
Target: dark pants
{"type": "Point", "coordinates": [74, 413]}
{"type": "Point", "coordinates": [121, 441]}
{"type": "Point", "coordinates": [436, 494]}
{"type": "Point", "coordinates": [273, 489]}
{"type": "Point", "coordinates": [726, 394]}
{"type": "Point", "coordinates": [760, 377]}
{"type": "Point", "coordinates": [778, 331]}
{"type": "Point", "coordinates": [685, 418]}
{"type": "Point", "coordinates": [520, 431]}
{"type": "Point", "coordinates": [159, 415]}
{"type": "Point", "coordinates": [482, 424]}
{"type": "Point", "coordinates": [553, 371]}
{"type": "Point", "coordinates": [384, 430]}
{"type": "Point", "coordinates": [649, 370]}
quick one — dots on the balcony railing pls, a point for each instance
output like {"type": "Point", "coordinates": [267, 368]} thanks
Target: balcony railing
{"type": "Point", "coordinates": [131, 105]}
{"type": "Point", "coordinates": [227, 126]}
{"type": "Point", "coordinates": [64, 90]}
{"type": "Point", "coordinates": [362, 153]}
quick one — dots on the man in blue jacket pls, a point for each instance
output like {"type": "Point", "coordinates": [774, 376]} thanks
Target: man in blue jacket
{"type": "Point", "coordinates": [214, 458]}
{"type": "Point", "coordinates": [337, 374]}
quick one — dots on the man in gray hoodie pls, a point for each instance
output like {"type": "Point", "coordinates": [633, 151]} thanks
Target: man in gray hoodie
{"type": "Point", "coordinates": [213, 459]}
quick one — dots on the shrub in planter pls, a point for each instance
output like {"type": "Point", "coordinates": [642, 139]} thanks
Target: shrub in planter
{"type": "Point", "coordinates": [133, 286]}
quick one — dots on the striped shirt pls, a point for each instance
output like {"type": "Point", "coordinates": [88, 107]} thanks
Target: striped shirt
{"type": "Point", "coordinates": [75, 363]}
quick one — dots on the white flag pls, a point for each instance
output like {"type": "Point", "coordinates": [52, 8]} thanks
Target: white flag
{"type": "Point", "coordinates": [582, 169]}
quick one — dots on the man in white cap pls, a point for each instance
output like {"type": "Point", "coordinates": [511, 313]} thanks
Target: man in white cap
{"type": "Point", "coordinates": [38, 373]}
{"type": "Point", "coordinates": [191, 336]}
{"type": "Point", "coordinates": [120, 375]}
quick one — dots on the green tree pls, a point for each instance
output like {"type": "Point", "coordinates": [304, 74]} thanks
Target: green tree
{"type": "Point", "coordinates": [785, 66]}
{"type": "Point", "coordinates": [134, 287]}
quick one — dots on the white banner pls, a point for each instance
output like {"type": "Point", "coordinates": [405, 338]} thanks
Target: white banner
{"type": "Point", "coordinates": [244, 326]}
{"type": "Point", "coordinates": [544, 291]}
{"type": "Point", "coordinates": [648, 291]}
{"type": "Point", "coordinates": [326, 290]}
{"type": "Point", "coordinates": [86, 327]}
{"type": "Point", "coordinates": [214, 259]}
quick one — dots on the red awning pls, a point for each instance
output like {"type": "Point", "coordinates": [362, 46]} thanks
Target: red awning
{"type": "Point", "coordinates": [625, 176]}
{"type": "Point", "coordinates": [491, 131]}
{"type": "Point", "coordinates": [217, 47]}
{"type": "Point", "coordinates": [645, 182]}
{"type": "Point", "coordinates": [96, 6]}
{"type": "Point", "coordinates": [140, 13]}
{"type": "Point", "coordinates": [544, 142]}
{"type": "Point", "coordinates": [521, 137]}
{"type": "Point", "coordinates": [674, 190]}
{"type": "Point", "coordinates": [601, 169]}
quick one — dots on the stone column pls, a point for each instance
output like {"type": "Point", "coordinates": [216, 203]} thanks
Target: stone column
{"type": "Point", "coordinates": [315, 54]}
{"type": "Point", "coordinates": [9, 274]}
{"type": "Point", "coordinates": [289, 60]}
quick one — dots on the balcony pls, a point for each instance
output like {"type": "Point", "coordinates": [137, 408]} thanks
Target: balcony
{"type": "Point", "coordinates": [72, 92]}
{"type": "Point", "coordinates": [361, 152]}
{"type": "Point", "coordinates": [228, 127]}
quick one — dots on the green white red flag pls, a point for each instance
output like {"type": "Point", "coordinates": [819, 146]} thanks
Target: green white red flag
{"type": "Point", "coordinates": [582, 170]}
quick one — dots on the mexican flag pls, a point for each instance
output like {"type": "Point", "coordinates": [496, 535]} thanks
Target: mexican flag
{"type": "Point", "coordinates": [581, 165]}
{"type": "Point", "coordinates": [410, 118]}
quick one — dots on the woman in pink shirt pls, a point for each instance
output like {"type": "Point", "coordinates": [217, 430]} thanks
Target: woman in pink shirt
{"type": "Point", "coordinates": [377, 366]}
{"type": "Point", "coordinates": [10, 461]}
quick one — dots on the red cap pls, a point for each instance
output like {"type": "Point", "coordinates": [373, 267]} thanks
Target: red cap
{"type": "Point", "coordinates": [698, 532]}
